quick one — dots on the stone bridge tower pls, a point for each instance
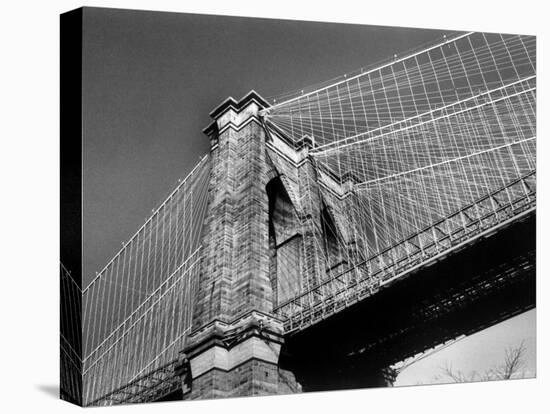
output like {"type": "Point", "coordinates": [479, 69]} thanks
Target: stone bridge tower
{"type": "Point", "coordinates": [261, 245]}
{"type": "Point", "coordinates": [235, 342]}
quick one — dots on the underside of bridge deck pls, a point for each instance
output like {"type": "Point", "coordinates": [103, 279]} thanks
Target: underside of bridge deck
{"type": "Point", "coordinates": [484, 283]}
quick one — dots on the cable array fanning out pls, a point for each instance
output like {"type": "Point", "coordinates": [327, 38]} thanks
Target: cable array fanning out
{"type": "Point", "coordinates": [432, 148]}
{"type": "Point", "coordinates": [137, 310]}
{"type": "Point", "coordinates": [424, 135]}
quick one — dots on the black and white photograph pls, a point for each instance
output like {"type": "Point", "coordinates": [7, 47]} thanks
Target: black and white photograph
{"type": "Point", "coordinates": [284, 206]}
{"type": "Point", "coordinates": [326, 238]}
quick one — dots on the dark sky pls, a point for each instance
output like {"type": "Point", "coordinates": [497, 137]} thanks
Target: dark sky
{"type": "Point", "coordinates": [151, 78]}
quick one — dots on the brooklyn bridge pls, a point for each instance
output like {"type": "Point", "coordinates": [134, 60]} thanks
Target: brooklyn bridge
{"type": "Point", "coordinates": [325, 237]}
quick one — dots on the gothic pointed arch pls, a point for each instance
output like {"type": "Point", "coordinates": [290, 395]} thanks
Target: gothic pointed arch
{"type": "Point", "coordinates": [285, 242]}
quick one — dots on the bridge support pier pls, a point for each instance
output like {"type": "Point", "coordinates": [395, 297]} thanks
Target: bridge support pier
{"type": "Point", "coordinates": [239, 359]}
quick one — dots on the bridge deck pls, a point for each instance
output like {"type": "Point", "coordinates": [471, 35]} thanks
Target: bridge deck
{"type": "Point", "coordinates": [484, 283]}
{"type": "Point", "coordinates": [479, 219]}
